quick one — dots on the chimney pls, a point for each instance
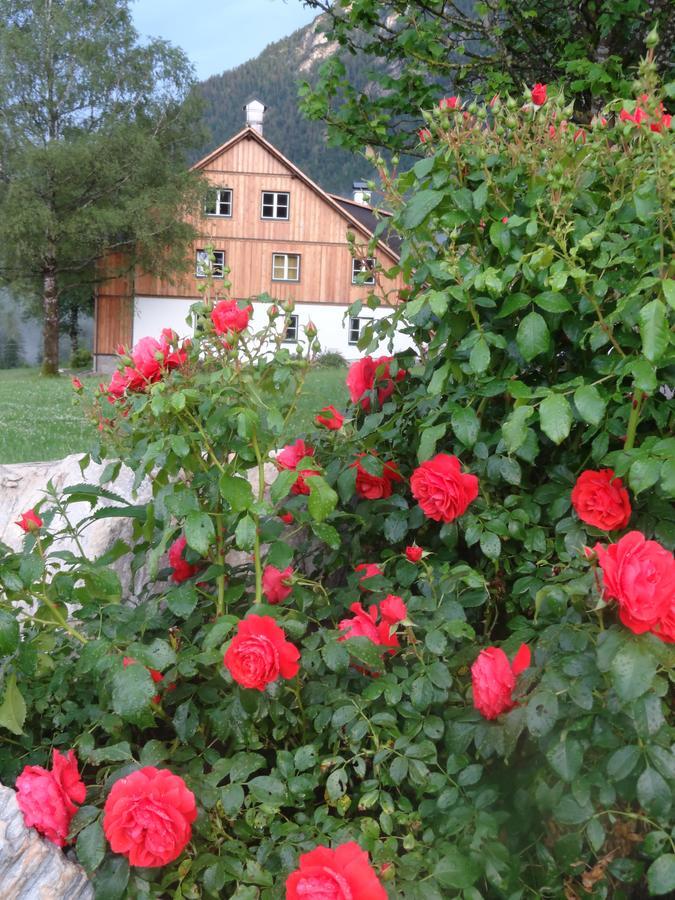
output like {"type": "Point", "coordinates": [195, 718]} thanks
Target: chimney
{"type": "Point", "coordinates": [361, 192]}
{"type": "Point", "coordinates": [255, 113]}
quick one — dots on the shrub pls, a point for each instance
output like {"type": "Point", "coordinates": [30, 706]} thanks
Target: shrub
{"type": "Point", "coordinates": [81, 359]}
{"type": "Point", "coordinates": [392, 649]}
{"type": "Point", "coordinates": [331, 359]}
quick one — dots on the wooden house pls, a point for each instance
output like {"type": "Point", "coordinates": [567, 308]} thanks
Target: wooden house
{"type": "Point", "coordinates": [278, 233]}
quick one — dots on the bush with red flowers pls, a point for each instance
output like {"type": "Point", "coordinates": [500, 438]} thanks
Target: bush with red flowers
{"type": "Point", "coordinates": [424, 651]}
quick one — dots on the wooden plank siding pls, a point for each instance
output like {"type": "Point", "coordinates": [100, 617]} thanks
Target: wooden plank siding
{"type": "Point", "coordinates": [316, 230]}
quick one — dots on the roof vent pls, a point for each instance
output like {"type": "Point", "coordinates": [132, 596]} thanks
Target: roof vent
{"type": "Point", "coordinates": [255, 113]}
{"type": "Point", "coordinates": [361, 192]}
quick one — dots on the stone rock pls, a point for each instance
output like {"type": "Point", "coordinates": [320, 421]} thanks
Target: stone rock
{"type": "Point", "coordinates": [31, 867]}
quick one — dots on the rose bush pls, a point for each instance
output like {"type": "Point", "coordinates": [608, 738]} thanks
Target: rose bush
{"type": "Point", "coordinates": [377, 731]}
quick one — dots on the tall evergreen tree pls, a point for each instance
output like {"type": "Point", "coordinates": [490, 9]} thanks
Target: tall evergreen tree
{"type": "Point", "coordinates": [94, 132]}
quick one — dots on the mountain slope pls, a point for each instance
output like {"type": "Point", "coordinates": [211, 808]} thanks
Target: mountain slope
{"type": "Point", "coordinates": [273, 78]}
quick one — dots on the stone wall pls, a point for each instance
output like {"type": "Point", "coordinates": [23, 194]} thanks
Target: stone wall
{"type": "Point", "coordinates": [31, 867]}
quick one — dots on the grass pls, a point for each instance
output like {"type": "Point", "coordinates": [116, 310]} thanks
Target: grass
{"type": "Point", "coordinates": [40, 418]}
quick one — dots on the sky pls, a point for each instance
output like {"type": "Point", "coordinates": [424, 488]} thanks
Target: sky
{"type": "Point", "coordinates": [220, 34]}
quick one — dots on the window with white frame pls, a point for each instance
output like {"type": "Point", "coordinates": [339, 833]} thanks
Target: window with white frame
{"type": "Point", "coordinates": [219, 202]}
{"type": "Point", "coordinates": [363, 271]}
{"type": "Point", "coordinates": [204, 266]}
{"type": "Point", "coordinates": [285, 267]}
{"type": "Point", "coordinates": [275, 205]}
{"type": "Point", "coordinates": [354, 332]}
{"type": "Point", "coordinates": [291, 333]}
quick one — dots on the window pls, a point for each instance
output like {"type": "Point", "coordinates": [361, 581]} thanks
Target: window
{"type": "Point", "coordinates": [204, 267]}
{"type": "Point", "coordinates": [363, 271]}
{"type": "Point", "coordinates": [275, 205]}
{"type": "Point", "coordinates": [291, 335]}
{"type": "Point", "coordinates": [354, 330]}
{"type": "Point", "coordinates": [219, 202]}
{"type": "Point", "coordinates": [285, 267]}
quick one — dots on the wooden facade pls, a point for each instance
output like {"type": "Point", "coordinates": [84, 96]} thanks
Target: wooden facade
{"type": "Point", "coordinates": [316, 230]}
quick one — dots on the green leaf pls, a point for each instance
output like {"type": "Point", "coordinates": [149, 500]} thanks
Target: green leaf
{"type": "Point", "coordinates": [533, 336]}
{"type": "Point", "coordinates": [114, 753]}
{"type": "Point", "coordinates": [653, 793]}
{"type": "Point", "coordinates": [244, 533]}
{"type": "Point", "coordinates": [199, 532]}
{"type": "Point", "coordinates": [632, 670]}
{"type": "Point", "coordinates": [396, 526]}
{"type": "Point", "coordinates": [282, 485]}
{"type": "Point", "coordinates": [455, 870]}
{"type": "Point", "coordinates": [133, 689]}
{"type": "Point", "coordinates": [419, 207]}
{"type": "Point", "coordinates": [479, 358]}
{"type": "Point", "coordinates": [589, 404]}
{"type": "Point", "coordinates": [322, 498]}
{"type": "Point", "coordinates": [268, 789]}
{"type": "Point", "coordinates": [398, 770]}
{"type": "Point", "coordinates": [480, 195]}
{"type": "Point", "coordinates": [512, 304]}
{"type": "Point", "coordinates": [490, 545]}
{"type": "Point", "coordinates": [237, 491]}
{"type": "Point", "coordinates": [428, 440]}
{"type": "Point", "coordinates": [644, 375]}
{"type": "Point", "coordinates": [232, 799]}
{"type": "Point", "coordinates": [366, 652]}
{"type": "Point", "coordinates": [542, 713]}
{"type": "Point", "coordinates": [668, 285]}
{"type": "Point", "coordinates": [111, 879]}
{"type": "Point", "coordinates": [565, 759]}
{"type": "Point", "coordinates": [555, 417]}
{"type": "Point", "coordinates": [514, 429]}
{"type": "Point", "coordinates": [9, 633]}
{"type": "Point", "coordinates": [668, 477]}
{"type": "Point", "coordinates": [13, 708]}
{"type": "Point", "coordinates": [158, 653]}
{"type": "Point", "coordinates": [644, 473]}
{"type": "Point", "coordinates": [91, 847]}
{"type": "Point", "coordinates": [186, 721]}
{"type": "Point", "coordinates": [182, 600]}
{"type": "Point", "coordinates": [654, 329]}
{"type": "Point", "coordinates": [661, 874]}
{"type": "Point", "coordinates": [305, 758]}
{"type": "Point", "coordinates": [336, 656]}
{"type": "Point", "coordinates": [465, 424]}
{"type": "Point", "coordinates": [622, 762]}
{"type": "Point", "coordinates": [552, 302]}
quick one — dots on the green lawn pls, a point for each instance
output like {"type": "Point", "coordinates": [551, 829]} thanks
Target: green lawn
{"type": "Point", "coordinates": [40, 418]}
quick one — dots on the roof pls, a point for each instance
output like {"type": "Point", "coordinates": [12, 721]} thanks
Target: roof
{"type": "Point", "coordinates": [369, 217]}
{"type": "Point", "coordinates": [359, 215]}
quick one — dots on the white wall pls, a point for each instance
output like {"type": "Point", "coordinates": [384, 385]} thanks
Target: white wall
{"type": "Point", "coordinates": [152, 314]}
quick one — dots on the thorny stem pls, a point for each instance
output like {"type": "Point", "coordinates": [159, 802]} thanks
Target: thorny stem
{"type": "Point", "coordinates": [633, 419]}
{"type": "Point", "coordinates": [261, 496]}
{"type": "Point", "coordinates": [58, 615]}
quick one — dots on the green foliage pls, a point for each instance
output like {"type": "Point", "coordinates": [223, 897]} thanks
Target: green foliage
{"type": "Point", "coordinates": [417, 53]}
{"type": "Point", "coordinates": [532, 365]}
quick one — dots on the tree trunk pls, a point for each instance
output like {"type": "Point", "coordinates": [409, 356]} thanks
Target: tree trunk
{"type": "Point", "coordinates": [74, 329]}
{"type": "Point", "coordinates": [50, 325]}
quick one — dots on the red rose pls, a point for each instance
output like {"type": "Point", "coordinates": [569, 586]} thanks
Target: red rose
{"type": "Point", "coordinates": [341, 874]}
{"type": "Point", "coordinates": [29, 521]}
{"type": "Point", "coordinates": [229, 318]}
{"type": "Point", "coordinates": [393, 609]}
{"type": "Point", "coordinates": [47, 799]}
{"type": "Point", "coordinates": [148, 817]}
{"type": "Point", "coordinates": [414, 553]}
{"type": "Point", "coordinates": [449, 103]}
{"type": "Point", "coordinates": [287, 518]}
{"type": "Point", "coordinates": [364, 623]}
{"type": "Point", "coordinates": [77, 384]}
{"type": "Point", "coordinates": [424, 135]}
{"type": "Point", "coordinates": [640, 575]}
{"type": "Point", "coordinates": [259, 653]}
{"type": "Point", "coordinates": [332, 419]}
{"type": "Point", "coordinates": [442, 490]}
{"type": "Point", "coordinates": [367, 374]}
{"type": "Point", "coordinates": [289, 458]}
{"type": "Point", "coordinates": [369, 571]}
{"type": "Point", "coordinates": [494, 678]}
{"type": "Point", "coordinates": [375, 487]}
{"type": "Point", "coordinates": [182, 570]}
{"type": "Point", "coordinates": [600, 499]}
{"type": "Point", "coordinates": [277, 585]}
{"type": "Point", "coordinates": [539, 94]}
